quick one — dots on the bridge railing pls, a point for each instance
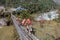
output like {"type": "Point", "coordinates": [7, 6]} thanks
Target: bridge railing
{"type": "Point", "coordinates": [22, 36]}
{"type": "Point", "coordinates": [20, 31]}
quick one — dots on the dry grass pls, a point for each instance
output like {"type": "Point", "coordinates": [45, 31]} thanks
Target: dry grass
{"type": "Point", "coordinates": [48, 32]}
{"type": "Point", "coordinates": [8, 33]}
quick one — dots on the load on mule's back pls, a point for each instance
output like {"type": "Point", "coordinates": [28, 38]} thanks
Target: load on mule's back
{"type": "Point", "coordinates": [27, 24]}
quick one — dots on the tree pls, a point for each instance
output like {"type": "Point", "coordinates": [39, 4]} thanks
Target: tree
{"type": "Point", "coordinates": [23, 14]}
{"type": "Point", "coordinates": [42, 6]}
{"type": "Point", "coordinates": [57, 19]}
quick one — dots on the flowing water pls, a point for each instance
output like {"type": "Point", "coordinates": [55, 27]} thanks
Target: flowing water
{"type": "Point", "coordinates": [47, 16]}
{"type": "Point", "coordinates": [57, 1]}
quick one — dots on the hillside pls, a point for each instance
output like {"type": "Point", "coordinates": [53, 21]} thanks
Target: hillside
{"type": "Point", "coordinates": [31, 5]}
{"type": "Point", "coordinates": [40, 5]}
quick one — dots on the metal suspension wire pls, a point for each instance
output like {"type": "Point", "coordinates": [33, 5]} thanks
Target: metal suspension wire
{"type": "Point", "coordinates": [23, 35]}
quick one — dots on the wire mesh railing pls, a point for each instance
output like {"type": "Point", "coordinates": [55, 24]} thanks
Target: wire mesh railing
{"type": "Point", "coordinates": [22, 34]}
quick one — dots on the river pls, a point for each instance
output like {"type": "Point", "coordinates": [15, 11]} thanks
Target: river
{"type": "Point", "coordinates": [45, 16]}
{"type": "Point", "coordinates": [57, 1]}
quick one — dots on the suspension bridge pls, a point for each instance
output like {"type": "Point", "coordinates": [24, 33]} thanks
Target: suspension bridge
{"type": "Point", "coordinates": [23, 35]}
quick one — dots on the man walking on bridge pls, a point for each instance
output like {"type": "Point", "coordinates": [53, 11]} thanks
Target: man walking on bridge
{"type": "Point", "coordinates": [29, 25]}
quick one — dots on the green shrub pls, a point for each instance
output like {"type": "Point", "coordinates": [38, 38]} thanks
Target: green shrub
{"type": "Point", "coordinates": [57, 19]}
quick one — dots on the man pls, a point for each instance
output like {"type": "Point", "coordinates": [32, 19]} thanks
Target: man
{"type": "Point", "coordinates": [29, 25]}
